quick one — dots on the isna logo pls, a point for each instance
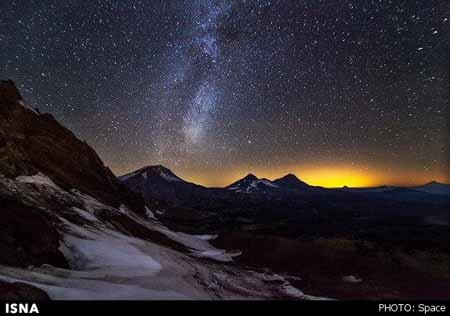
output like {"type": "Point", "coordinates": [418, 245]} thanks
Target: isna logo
{"type": "Point", "coordinates": [21, 308]}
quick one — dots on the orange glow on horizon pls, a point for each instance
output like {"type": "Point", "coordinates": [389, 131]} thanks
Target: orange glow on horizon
{"type": "Point", "coordinates": [328, 176]}
{"type": "Point", "coordinates": [324, 176]}
{"type": "Point", "coordinates": [337, 177]}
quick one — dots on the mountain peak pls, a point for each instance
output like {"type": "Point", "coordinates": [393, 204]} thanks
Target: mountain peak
{"type": "Point", "coordinates": [434, 187]}
{"type": "Point", "coordinates": [290, 181]}
{"type": "Point", "coordinates": [166, 173]}
{"type": "Point", "coordinates": [9, 91]}
{"type": "Point", "coordinates": [433, 184]}
{"type": "Point", "coordinates": [250, 176]}
{"type": "Point", "coordinates": [158, 171]}
{"type": "Point", "coordinates": [158, 168]}
{"type": "Point", "coordinates": [291, 176]}
{"type": "Point", "coordinates": [250, 184]}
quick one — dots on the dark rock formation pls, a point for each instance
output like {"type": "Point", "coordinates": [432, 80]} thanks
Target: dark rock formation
{"type": "Point", "coordinates": [28, 236]}
{"type": "Point", "coordinates": [31, 143]}
{"type": "Point", "coordinates": [19, 291]}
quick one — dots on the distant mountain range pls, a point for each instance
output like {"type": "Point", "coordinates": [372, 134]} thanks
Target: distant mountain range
{"type": "Point", "coordinates": [160, 182]}
{"type": "Point", "coordinates": [431, 188]}
{"type": "Point", "coordinates": [255, 200]}
{"type": "Point", "coordinates": [252, 184]}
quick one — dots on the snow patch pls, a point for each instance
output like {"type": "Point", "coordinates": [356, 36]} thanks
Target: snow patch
{"type": "Point", "coordinates": [206, 237]}
{"type": "Point", "coordinates": [39, 179]}
{"type": "Point", "coordinates": [91, 249]}
{"type": "Point", "coordinates": [123, 209]}
{"type": "Point", "coordinates": [63, 284]}
{"type": "Point", "coordinates": [85, 214]}
{"type": "Point", "coordinates": [90, 203]}
{"type": "Point", "coordinates": [351, 279]}
{"type": "Point", "coordinates": [150, 214]}
{"type": "Point", "coordinates": [292, 291]}
{"type": "Point", "coordinates": [252, 186]}
{"type": "Point", "coordinates": [216, 254]}
{"type": "Point", "coordinates": [129, 175]}
{"type": "Point", "coordinates": [267, 183]}
{"type": "Point", "coordinates": [169, 177]}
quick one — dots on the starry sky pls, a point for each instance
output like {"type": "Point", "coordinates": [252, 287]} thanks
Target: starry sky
{"type": "Point", "coordinates": [338, 92]}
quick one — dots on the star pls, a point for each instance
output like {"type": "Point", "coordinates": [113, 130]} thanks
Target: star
{"type": "Point", "coordinates": [317, 85]}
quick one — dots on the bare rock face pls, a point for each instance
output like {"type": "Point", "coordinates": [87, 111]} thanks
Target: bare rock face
{"type": "Point", "coordinates": [28, 236]}
{"type": "Point", "coordinates": [18, 291]}
{"type": "Point", "coordinates": [31, 143]}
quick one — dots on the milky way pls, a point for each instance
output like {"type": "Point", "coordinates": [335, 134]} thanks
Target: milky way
{"type": "Point", "coordinates": [200, 55]}
{"type": "Point", "coordinates": [217, 89]}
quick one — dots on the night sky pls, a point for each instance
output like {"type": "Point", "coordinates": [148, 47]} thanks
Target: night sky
{"type": "Point", "coordinates": [337, 92]}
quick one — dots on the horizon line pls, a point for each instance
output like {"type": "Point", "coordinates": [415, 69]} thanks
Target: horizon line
{"type": "Point", "coordinates": [403, 185]}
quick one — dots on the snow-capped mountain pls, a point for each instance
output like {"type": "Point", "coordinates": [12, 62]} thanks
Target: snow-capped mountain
{"type": "Point", "coordinates": [157, 171]}
{"type": "Point", "coordinates": [71, 230]}
{"type": "Point", "coordinates": [251, 184]}
{"type": "Point", "coordinates": [158, 182]}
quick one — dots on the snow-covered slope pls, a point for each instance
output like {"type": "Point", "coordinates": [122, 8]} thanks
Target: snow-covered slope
{"type": "Point", "coordinates": [108, 259]}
